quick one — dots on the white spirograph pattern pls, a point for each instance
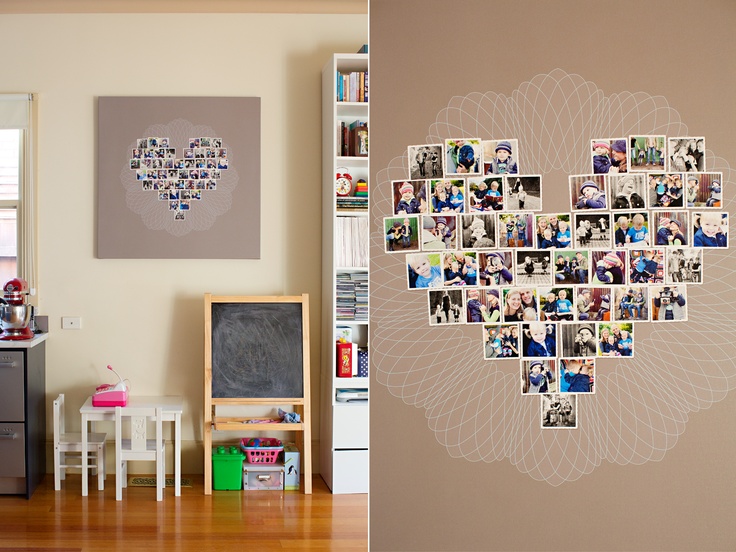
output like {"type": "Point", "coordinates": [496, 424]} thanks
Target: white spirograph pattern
{"type": "Point", "coordinates": [474, 406]}
{"type": "Point", "coordinates": [202, 214]}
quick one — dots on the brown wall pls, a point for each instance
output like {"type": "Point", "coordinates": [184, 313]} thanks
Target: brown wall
{"type": "Point", "coordinates": [427, 492]}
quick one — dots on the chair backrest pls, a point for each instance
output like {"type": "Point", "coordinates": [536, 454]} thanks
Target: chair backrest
{"type": "Point", "coordinates": [138, 417]}
{"type": "Point", "coordinates": [58, 418]}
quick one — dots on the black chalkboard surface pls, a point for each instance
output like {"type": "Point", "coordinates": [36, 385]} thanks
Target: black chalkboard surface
{"type": "Point", "coordinates": [257, 350]}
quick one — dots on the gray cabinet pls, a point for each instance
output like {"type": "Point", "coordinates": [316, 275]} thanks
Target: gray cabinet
{"type": "Point", "coordinates": [22, 416]}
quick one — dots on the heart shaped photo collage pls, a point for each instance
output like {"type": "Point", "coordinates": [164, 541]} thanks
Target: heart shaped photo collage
{"type": "Point", "coordinates": [180, 181]}
{"type": "Point", "coordinates": [555, 291]}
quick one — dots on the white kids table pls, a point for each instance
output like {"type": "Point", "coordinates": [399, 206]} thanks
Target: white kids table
{"type": "Point", "coordinates": [173, 407]}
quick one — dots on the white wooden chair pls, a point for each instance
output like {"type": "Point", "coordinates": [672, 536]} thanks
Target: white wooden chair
{"type": "Point", "coordinates": [65, 443]}
{"type": "Point", "coordinates": [139, 446]}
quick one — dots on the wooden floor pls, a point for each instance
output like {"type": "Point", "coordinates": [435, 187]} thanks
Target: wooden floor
{"type": "Point", "coordinates": [231, 521]}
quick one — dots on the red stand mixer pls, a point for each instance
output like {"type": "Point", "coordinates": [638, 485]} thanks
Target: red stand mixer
{"type": "Point", "coordinates": [15, 313]}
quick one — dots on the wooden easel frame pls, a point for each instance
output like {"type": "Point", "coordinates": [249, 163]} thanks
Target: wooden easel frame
{"type": "Point", "coordinates": [301, 405]}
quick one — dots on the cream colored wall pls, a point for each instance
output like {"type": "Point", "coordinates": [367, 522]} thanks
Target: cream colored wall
{"type": "Point", "coordinates": [145, 317]}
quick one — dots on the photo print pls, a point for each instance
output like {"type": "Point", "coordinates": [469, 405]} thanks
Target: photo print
{"type": "Point", "coordinates": [592, 229]}
{"type": "Point", "coordinates": [571, 267]}
{"type": "Point", "coordinates": [515, 230]}
{"type": "Point", "coordinates": [483, 305]}
{"type": "Point", "coordinates": [485, 194]}
{"type": "Point", "coordinates": [672, 228]}
{"type": "Point", "coordinates": [684, 266]}
{"type": "Point", "coordinates": [424, 270]}
{"type": "Point", "coordinates": [704, 190]}
{"type": "Point", "coordinates": [559, 411]}
{"type": "Point", "coordinates": [463, 157]}
{"type": "Point", "coordinates": [577, 375]}
{"type": "Point", "coordinates": [615, 339]}
{"type": "Point", "coordinates": [519, 304]}
{"type": "Point", "coordinates": [447, 196]}
{"type": "Point", "coordinates": [523, 193]}
{"type": "Point", "coordinates": [578, 340]}
{"type": "Point", "coordinates": [593, 304]}
{"type": "Point", "coordinates": [539, 339]}
{"type": "Point", "coordinates": [496, 268]}
{"type": "Point", "coordinates": [461, 268]}
{"type": "Point", "coordinates": [608, 266]}
{"type": "Point", "coordinates": [478, 231]}
{"type": "Point", "coordinates": [425, 161]}
{"type": "Point", "coordinates": [609, 156]}
{"type": "Point", "coordinates": [647, 152]}
{"type": "Point", "coordinates": [646, 266]}
{"type": "Point", "coordinates": [533, 268]}
{"type": "Point", "coordinates": [710, 229]}
{"type": "Point", "coordinates": [402, 234]}
{"type": "Point", "coordinates": [538, 376]}
{"type": "Point", "coordinates": [555, 304]}
{"type": "Point", "coordinates": [553, 231]}
{"type": "Point", "coordinates": [630, 303]}
{"type": "Point", "coordinates": [439, 232]}
{"type": "Point", "coordinates": [686, 154]}
{"type": "Point", "coordinates": [669, 303]}
{"type": "Point", "coordinates": [627, 191]}
{"type": "Point", "coordinates": [631, 229]}
{"type": "Point", "coordinates": [409, 197]}
{"type": "Point", "coordinates": [587, 192]}
{"type": "Point", "coordinates": [500, 156]}
{"type": "Point", "coordinates": [446, 306]}
{"type": "Point", "coordinates": [666, 190]}
{"type": "Point", "coordinates": [500, 341]}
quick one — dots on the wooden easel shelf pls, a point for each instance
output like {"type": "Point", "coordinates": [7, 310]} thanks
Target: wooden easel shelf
{"type": "Point", "coordinates": [220, 423]}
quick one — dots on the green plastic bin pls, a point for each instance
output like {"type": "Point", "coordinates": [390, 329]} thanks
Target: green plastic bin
{"type": "Point", "coordinates": [227, 468]}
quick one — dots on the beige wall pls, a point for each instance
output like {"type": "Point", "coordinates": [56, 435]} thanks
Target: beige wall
{"type": "Point", "coordinates": [145, 317]}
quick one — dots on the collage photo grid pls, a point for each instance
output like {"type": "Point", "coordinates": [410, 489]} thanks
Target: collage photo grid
{"type": "Point", "coordinates": [554, 292]}
{"type": "Point", "coordinates": [180, 181]}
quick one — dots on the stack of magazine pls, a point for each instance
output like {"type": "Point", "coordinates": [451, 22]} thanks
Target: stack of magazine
{"type": "Point", "coordinates": [351, 297]}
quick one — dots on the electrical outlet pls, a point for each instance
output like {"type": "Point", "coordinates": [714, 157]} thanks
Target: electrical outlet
{"type": "Point", "coordinates": [71, 323]}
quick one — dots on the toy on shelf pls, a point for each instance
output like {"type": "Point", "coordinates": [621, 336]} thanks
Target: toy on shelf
{"type": "Point", "coordinates": [264, 450]}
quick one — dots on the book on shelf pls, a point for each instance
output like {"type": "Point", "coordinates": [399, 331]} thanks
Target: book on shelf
{"type": "Point", "coordinates": [363, 49]}
{"type": "Point", "coordinates": [352, 87]}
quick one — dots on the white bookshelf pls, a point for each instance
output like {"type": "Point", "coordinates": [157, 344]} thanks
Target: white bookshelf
{"type": "Point", "coordinates": [343, 426]}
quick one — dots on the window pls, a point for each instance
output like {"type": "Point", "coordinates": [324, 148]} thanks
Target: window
{"type": "Point", "coordinates": [10, 146]}
{"type": "Point", "coordinates": [17, 224]}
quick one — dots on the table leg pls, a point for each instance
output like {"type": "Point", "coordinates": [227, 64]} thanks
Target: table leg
{"type": "Point", "coordinates": [177, 454]}
{"type": "Point", "coordinates": [85, 458]}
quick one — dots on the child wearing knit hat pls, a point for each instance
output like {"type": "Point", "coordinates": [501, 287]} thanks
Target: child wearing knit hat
{"type": "Point", "coordinates": [663, 231]}
{"type": "Point", "coordinates": [503, 162]}
{"type": "Point", "coordinates": [591, 196]}
{"type": "Point", "coordinates": [601, 157]}
{"type": "Point", "coordinates": [540, 376]}
{"type": "Point", "coordinates": [408, 204]}
{"type": "Point", "coordinates": [474, 306]}
{"type": "Point", "coordinates": [609, 269]}
{"type": "Point", "coordinates": [491, 311]}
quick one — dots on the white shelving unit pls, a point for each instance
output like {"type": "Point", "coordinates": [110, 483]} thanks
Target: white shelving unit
{"type": "Point", "coordinates": [344, 426]}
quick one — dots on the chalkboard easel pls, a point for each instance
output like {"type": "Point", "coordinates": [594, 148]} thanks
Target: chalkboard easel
{"type": "Point", "coordinates": [257, 354]}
